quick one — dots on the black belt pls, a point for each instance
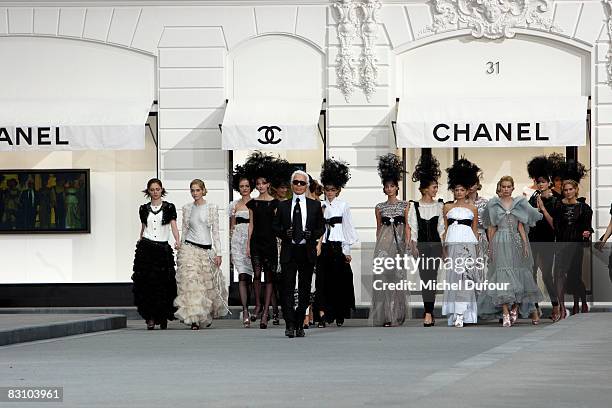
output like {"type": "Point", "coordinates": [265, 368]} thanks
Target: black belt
{"type": "Point", "coordinates": [462, 222]}
{"type": "Point", "coordinates": [198, 245]}
{"type": "Point", "coordinates": [241, 220]}
{"type": "Point", "coordinates": [329, 223]}
{"type": "Point", "coordinates": [398, 219]}
{"type": "Point", "coordinates": [394, 221]}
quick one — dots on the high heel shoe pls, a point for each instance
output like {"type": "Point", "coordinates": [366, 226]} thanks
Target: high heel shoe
{"type": "Point", "coordinates": [585, 308]}
{"type": "Point", "coordinates": [322, 322]}
{"type": "Point", "coordinates": [275, 319]}
{"type": "Point", "coordinates": [163, 325]}
{"type": "Point", "coordinates": [195, 326]}
{"type": "Point", "coordinates": [425, 323]}
{"type": "Point", "coordinates": [506, 321]}
{"type": "Point", "coordinates": [150, 325]}
{"type": "Point", "coordinates": [263, 324]}
{"type": "Point", "coordinates": [556, 315]}
{"type": "Point", "coordinates": [575, 309]}
{"type": "Point", "coordinates": [513, 316]}
{"type": "Point", "coordinates": [246, 322]}
{"type": "Point", "coordinates": [256, 315]}
{"type": "Point", "coordinates": [458, 321]}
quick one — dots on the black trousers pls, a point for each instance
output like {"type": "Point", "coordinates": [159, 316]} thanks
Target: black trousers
{"type": "Point", "coordinates": [428, 271]}
{"type": "Point", "coordinates": [298, 266]}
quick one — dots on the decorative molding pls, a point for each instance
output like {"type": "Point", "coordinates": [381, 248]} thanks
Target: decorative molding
{"type": "Point", "coordinates": [348, 30]}
{"type": "Point", "coordinates": [608, 6]}
{"type": "Point", "coordinates": [492, 19]}
{"type": "Point", "coordinates": [369, 33]}
{"type": "Point", "coordinates": [357, 19]}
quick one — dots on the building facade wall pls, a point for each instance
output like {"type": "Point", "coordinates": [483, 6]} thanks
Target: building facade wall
{"type": "Point", "coordinates": [191, 42]}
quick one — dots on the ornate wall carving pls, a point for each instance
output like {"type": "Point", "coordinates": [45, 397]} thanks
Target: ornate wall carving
{"type": "Point", "coordinates": [608, 6]}
{"type": "Point", "coordinates": [357, 19]}
{"type": "Point", "coordinates": [491, 19]}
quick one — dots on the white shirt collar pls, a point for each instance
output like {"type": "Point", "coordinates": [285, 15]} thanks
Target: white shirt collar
{"type": "Point", "coordinates": [302, 197]}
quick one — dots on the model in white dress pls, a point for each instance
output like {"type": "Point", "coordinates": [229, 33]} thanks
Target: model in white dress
{"type": "Point", "coordinates": [202, 292]}
{"type": "Point", "coordinates": [461, 244]}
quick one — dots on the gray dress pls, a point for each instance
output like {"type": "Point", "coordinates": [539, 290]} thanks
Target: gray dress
{"type": "Point", "coordinates": [390, 306]}
{"type": "Point", "coordinates": [508, 264]}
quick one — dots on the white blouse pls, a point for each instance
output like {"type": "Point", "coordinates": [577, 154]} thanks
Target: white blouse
{"type": "Point", "coordinates": [343, 232]}
{"type": "Point", "coordinates": [154, 230]}
{"type": "Point", "coordinates": [427, 211]}
{"type": "Point", "coordinates": [201, 225]}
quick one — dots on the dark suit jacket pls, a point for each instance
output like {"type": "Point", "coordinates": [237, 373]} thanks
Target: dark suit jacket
{"type": "Point", "coordinates": [314, 224]}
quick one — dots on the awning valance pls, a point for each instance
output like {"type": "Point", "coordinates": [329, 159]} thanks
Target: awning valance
{"type": "Point", "coordinates": [271, 124]}
{"type": "Point", "coordinates": [492, 122]}
{"type": "Point", "coordinates": [73, 124]}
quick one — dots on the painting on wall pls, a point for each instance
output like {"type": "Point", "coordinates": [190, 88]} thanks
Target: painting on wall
{"type": "Point", "coordinates": [45, 201]}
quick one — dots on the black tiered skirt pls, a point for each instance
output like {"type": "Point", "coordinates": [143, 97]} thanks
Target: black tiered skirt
{"type": "Point", "coordinates": [154, 280]}
{"type": "Point", "coordinates": [335, 294]}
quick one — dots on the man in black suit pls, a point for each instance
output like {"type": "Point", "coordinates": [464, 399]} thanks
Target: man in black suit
{"type": "Point", "coordinates": [28, 205]}
{"type": "Point", "coordinates": [299, 224]}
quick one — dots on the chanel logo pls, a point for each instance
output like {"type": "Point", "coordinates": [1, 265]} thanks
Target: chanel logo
{"type": "Point", "coordinates": [269, 135]}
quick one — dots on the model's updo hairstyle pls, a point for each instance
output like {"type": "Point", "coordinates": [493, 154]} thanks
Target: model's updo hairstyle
{"type": "Point", "coordinates": [426, 172]}
{"type": "Point", "coordinates": [572, 182]}
{"type": "Point", "coordinates": [200, 184]}
{"type": "Point", "coordinates": [506, 178]}
{"type": "Point", "coordinates": [150, 183]}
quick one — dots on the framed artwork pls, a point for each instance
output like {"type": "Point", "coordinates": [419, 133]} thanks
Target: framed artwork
{"type": "Point", "coordinates": [45, 201]}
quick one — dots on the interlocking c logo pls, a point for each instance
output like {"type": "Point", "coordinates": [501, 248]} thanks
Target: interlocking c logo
{"type": "Point", "coordinates": [269, 135]}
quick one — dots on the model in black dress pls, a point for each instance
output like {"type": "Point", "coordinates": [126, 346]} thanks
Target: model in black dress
{"type": "Point", "coordinates": [542, 235]}
{"type": "Point", "coordinates": [261, 246]}
{"type": "Point", "coordinates": [571, 219]}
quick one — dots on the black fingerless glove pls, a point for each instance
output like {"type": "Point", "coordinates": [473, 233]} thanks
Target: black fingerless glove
{"type": "Point", "coordinates": [289, 233]}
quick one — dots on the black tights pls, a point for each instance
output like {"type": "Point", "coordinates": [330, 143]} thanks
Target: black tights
{"type": "Point", "coordinates": [267, 267]}
{"type": "Point", "coordinates": [244, 279]}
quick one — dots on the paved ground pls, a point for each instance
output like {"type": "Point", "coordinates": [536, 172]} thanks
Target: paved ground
{"type": "Point", "coordinates": [11, 322]}
{"type": "Point", "coordinates": [567, 364]}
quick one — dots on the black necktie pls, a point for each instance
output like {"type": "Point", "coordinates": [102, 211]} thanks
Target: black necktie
{"type": "Point", "coordinates": [298, 230]}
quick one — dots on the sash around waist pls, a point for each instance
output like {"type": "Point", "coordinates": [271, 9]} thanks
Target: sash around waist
{"type": "Point", "coordinates": [241, 220]}
{"type": "Point", "coordinates": [462, 222]}
{"type": "Point", "coordinates": [398, 219]}
{"type": "Point", "coordinates": [333, 220]}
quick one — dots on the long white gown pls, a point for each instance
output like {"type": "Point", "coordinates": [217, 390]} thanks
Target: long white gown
{"type": "Point", "coordinates": [461, 244]}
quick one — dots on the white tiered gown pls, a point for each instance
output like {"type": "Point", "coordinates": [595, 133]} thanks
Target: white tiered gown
{"type": "Point", "coordinates": [460, 243]}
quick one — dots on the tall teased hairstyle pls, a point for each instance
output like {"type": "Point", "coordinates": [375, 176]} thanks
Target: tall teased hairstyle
{"type": "Point", "coordinates": [462, 173]}
{"type": "Point", "coordinates": [574, 170]}
{"type": "Point", "coordinates": [314, 186]}
{"type": "Point", "coordinates": [259, 165]}
{"type": "Point", "coordinates": [538, 167]}
{"type": "Point", "coordinates": [557, 165]}
{"type": "Point", "coordinates": [390, 168]}
{"type": "Point", "coordinates": [566, 169]}
{"type": "Point", "coordinates": [281, 175]}
{"type": "Point", "coordinates": [426, 171]}
{"type": "Point", "coordinates": [239, 174]}
{"type": "Point", "coordinates": [335, 173]}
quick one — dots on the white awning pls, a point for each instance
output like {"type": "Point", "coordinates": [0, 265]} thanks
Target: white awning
{"type": "Point", "coordinates": [492, 122]}
{"type": "Point", "coordinates": [73, 124]}
{"type": "Point", "coordinates": [271, 124]}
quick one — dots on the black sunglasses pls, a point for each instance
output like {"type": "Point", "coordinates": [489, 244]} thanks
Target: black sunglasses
{"type": "Point", "coordinates": [299, 183]}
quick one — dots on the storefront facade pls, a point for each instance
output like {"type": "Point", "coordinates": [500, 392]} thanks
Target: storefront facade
{"type": "Point", "coordinates": [358, 56]}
